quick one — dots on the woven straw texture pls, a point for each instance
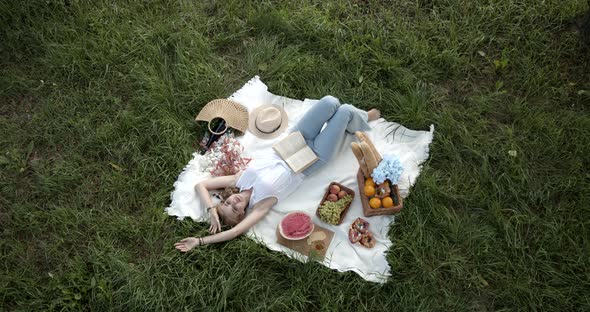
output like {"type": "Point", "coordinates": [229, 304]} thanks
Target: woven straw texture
{"type": "Point", "coordinates": [254, 129]}
{"type": "Point", "coordinates": [234, 114]}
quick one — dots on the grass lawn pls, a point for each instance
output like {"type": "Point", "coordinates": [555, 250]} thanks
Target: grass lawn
{"type": "Point", "coordinates": [97, 100]}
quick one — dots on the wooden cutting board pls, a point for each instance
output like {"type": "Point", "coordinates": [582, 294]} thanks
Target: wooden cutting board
{"type": "Point", "coordinates": [316, 243]}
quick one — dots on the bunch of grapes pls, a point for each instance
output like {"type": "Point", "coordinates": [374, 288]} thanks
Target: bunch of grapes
{"type": "Point", "coordinates": [330, 211]}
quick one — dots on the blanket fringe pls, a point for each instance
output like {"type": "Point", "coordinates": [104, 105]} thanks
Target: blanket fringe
{"type": "Point", "coordinates": [254, 80]}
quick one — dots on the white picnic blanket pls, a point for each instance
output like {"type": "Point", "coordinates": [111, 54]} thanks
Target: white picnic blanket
{"type": "Point", "coordinates": [411, 147]}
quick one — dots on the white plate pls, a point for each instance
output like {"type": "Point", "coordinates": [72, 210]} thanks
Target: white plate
{"type": "Point", "coordinates": [299, 238]}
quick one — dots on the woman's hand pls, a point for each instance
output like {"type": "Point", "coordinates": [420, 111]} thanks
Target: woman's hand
{"type": "Point", "coordinates": [187, 244]}
{"type": "Point", "coordinates": [214, 221]}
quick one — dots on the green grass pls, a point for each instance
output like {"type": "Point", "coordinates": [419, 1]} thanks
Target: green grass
{"type": "Point", "coordinates": [96, 114]}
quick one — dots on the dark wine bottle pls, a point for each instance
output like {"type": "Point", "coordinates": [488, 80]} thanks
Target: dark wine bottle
{"type": "Point", "coordinates": [213, 136]}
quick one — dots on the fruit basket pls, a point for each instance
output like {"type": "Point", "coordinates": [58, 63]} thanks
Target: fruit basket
{"type": "Point", "coordinates": [343, 213]}
{"type": "Point", "coordinates": [368, 210]}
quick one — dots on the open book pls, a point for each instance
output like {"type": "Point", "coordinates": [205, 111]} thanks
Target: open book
{"type": "Point", "coordinates": [295, 152]}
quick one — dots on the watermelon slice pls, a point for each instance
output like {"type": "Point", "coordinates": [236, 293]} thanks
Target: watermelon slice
{"type": "Point", "coordinates": [296, 225]}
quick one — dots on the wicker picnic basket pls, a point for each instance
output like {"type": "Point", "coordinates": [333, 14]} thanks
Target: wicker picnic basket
{"type": "Point", "coordinates": [369, 158]}
{"type": "Point", "coordinates": [367, 210]}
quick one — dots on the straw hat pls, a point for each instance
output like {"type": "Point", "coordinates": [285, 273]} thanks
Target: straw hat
{"type": "Point", "coordinates": [268, 121]}
{"type": "Point", "coordinates": [234, 114]}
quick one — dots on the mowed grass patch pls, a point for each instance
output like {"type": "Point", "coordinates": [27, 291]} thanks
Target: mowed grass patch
{"type": "Point", "coordinates": [98, 101]}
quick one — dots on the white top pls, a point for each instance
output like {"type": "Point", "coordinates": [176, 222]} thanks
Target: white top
{"type": "Point", "coordinates": [268, 177]}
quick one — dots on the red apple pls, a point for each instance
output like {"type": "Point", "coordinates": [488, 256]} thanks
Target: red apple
{"type": "Point", "coordinates": [341, 194]}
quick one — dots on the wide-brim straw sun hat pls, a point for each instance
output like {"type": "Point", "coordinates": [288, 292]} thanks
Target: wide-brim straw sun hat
{"type": "Point", "coordinates": [268, 121]}
{"type": "Point", "coordinates": [234, 114]}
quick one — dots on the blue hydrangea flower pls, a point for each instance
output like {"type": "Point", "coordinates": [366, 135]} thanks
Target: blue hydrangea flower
{"type": "Point", "coordinates": [390, 168]}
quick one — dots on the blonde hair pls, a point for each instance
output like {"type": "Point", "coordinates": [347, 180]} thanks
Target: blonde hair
{"type": "Point", "coordinates": [223, 195]}
{"type": "Point", "coordinates": [227, 192]}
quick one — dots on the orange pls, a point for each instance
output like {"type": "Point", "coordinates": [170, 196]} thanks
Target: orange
{"type": "Point", "coordinates": [387, 202]}
{"type": "Point", "coordinates": [369, 190]}
{"type": "Point", "coordinates": [375, 203]}
{"type": "Point", "coordinates": [369, 181]}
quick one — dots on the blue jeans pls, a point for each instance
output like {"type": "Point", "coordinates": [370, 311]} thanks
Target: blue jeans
{"type": "Point", "coordinates": [340, 119]}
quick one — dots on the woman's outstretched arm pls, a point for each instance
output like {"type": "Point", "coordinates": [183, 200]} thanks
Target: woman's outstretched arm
{"type": "Point", "coordinates": [258, 212]}
{"type": "Point", "coordinates": [203, 189]}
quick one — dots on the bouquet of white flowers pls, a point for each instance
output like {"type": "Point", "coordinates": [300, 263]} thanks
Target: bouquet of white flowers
{"type": "Point", "coordinates": [224, 157]}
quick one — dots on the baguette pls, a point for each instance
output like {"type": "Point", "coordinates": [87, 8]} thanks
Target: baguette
{"type": "Point", "coordinates": [358, 153]}
{"type": "Point", "coordinates": [363, 137]}
{"type": "Point", "coordinates": [370, 157]}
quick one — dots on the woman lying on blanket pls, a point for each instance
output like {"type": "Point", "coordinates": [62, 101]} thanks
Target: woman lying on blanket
{"type": "Point", "coordinates": [266, 181]}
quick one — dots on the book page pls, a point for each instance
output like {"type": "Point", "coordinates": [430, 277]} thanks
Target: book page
{"type": "Point", "coordinates": [290, 145]}
{"type": "Point", "coordinates": [302, 159]}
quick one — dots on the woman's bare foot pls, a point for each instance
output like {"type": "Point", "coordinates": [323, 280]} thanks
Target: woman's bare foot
{"type": "Point", "coordinates": [374, 114]}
